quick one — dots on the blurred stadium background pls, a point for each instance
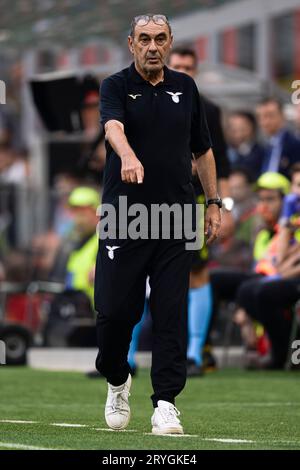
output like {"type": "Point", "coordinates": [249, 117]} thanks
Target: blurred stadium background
{"type": "Point", "coordinates": [53, 56]}
{"type": "Point", "coordinates": [246, 49]}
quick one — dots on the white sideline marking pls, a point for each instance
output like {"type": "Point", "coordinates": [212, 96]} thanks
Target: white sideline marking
{"type": "Point", "coordinates": [225, 440]}
{"type": "Point", "coordinates": [247, 405]}
{"type": "Point", "coordinates": [17, 421]}
{"type": "Point", "coordinates": [75, 425]}
{"type": "Point", "coordinates": [229, 441]}
{"type": "Point", "coordinates": [170, 435]}
{"type": "Point", "coordinates": [10, 445]}
{"type": "Point", "coordinates": [64, 425]}
{"type": "Point", "coordinates": [69, 425]}
{"type": "Point", "coordinates": [114, 430]}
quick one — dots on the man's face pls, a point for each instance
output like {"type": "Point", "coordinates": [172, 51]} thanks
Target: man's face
{"type": "Point", "coordinates": [85, 220]}
{"type": "Point", "coordinates": [150, 46]}
{"type": "Point", "coordinates": [239, 188]}
{"type": "Point", "coordinates": [269, 205]}
{"type": "Point", "coordinates": [270, 118]}
{"type": "Point", "coordinates": [183, 63]}
{"type": "Point", "coordinates": [239, 131]}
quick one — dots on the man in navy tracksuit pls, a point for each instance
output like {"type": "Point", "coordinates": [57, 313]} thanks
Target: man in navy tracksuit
{"type": "Point", "coordinates": [153, 119]}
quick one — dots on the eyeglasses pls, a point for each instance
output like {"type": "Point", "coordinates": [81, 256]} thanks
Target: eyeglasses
{"type": "Point", "coordinates": [142, 20]}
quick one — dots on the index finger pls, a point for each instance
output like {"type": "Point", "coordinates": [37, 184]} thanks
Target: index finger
{"type": "Point", "coordinates": [140, 175]}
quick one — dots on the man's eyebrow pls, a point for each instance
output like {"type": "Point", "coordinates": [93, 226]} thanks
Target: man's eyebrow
{"type": "Point", "coordinates": [162, 33]}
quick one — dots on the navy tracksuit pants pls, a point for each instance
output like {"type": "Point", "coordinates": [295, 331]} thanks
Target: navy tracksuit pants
{"type": "Point", "coordinates": [121, 270]}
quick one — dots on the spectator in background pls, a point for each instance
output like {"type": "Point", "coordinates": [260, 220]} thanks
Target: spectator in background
{"type": "Point", "coordinates": [243, 149]}
{"type": "Point", "coordinates": [63, 216]}
{"type": "Point", "coordinates": [289, 228]}
{"type": "Point", "coordinates": [241, 191]}
{"type": "Point", "coordinates": [282, 149]}
{"type": "Point", "coordinates": [227, 283]}
{"type": "Point", "coordinates": [76, 263]}
{"type": "Point", "coordinates": [46, 245]}
{"type": "Point", "coordinates": [81, 262]}
{"type": "Point", "coordinates": [237, 250]}
{"type": "Point", "coordinates": [245, 204]}
{"type": "Point", "coordinates": [270, 301]}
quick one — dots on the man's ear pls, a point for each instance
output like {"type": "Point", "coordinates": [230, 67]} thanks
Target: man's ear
{"type": "Point", "coordinates": [130, 44]}
{"type": "Point", "coordinates": [171, 44]}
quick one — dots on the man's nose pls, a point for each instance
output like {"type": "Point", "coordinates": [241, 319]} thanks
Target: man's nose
{"type": "Point", "coordinates": [153, 46]}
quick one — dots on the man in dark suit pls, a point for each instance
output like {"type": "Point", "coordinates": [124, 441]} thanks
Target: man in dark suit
{"type": "Point", "coordinates": [244, 151]}
{"type": "Point", "coordinates": [184, 59]}
{"type": "Point", "coordinates": [283, 148]}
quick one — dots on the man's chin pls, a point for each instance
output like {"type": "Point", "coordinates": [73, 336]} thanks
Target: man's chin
{"type": "Point", "coordinates": [153, 68]}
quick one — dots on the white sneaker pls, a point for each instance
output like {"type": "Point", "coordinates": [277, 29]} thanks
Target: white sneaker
{"type": "Point", "coordinates": [117, 410]}
{"type": "Point", "coordinates": [165, 419]}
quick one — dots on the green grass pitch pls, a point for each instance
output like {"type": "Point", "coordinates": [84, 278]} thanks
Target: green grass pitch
{"type": "Point", "coordinates": [229, 409]}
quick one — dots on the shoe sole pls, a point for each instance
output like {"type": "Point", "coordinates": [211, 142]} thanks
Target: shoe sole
{"type": "Point", "coordinates": [160, 432]}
